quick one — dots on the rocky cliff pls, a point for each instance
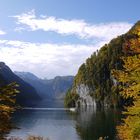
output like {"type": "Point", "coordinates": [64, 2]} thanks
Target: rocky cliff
{"type": "Point", "coordinates": [84, 96]}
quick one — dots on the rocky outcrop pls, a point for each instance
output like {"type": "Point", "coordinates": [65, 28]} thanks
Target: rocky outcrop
{"type": "Point", "coordinates": [84, 96]}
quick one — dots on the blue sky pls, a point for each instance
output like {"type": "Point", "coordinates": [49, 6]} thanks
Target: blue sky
{"type": "Point", "coordinates": [54, 37]}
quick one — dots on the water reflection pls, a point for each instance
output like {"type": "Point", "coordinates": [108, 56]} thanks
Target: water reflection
{"type": "Point", "coordinates": [54, 124]}
{"type": "Point", "coordinates": [5, 126]}
{"type": "Point", "coordinates": [92, 124]}
{"type": "Point", "coordinates": [85, 124]}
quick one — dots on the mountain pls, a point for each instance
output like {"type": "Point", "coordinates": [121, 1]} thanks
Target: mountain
{"type": "Point", "coordinates": [28, 95]}
{"type": "Point", "coordinates": [45, 91]}
{"type": "Point", "coordinates": [60, 85]}
{"type": "Point", "coordinates": [94, 83]}
{"type": "Point", "coordinates": [48, 89]}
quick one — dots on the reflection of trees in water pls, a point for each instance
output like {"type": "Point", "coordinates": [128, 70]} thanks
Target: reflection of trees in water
{"type": "Point", "coordinates": [92, 124]}
{"type": "Point", "coordinates": [5, 126]}
{"type": "Point", "coordinates": [84, 125]}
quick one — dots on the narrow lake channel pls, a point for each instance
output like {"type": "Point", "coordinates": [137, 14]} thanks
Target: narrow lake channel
{"type": "Point", "coordinates": [60, 124]}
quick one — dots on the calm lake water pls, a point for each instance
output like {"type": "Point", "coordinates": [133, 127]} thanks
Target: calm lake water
{"type": "Point", "coordinates": [56, 124]}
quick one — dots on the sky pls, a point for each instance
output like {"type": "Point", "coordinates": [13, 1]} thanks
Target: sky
{"type": "Point", "coordinates": [54, 37]}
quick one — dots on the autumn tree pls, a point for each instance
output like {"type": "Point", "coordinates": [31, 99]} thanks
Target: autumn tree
{"type": "Point", "coordinates": [129, 80]}
{"type": "Point", "coordinates": [7, 106]}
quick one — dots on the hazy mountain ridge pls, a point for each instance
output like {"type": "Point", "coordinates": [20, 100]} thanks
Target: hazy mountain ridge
{"type": "Point", "coordinates": [50, 89]}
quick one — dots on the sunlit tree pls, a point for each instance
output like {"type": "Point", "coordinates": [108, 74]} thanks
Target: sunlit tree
{"type": "Point", "coordinates": [7, 107]}
{"type": "Point", "coordinates": [129, 79]}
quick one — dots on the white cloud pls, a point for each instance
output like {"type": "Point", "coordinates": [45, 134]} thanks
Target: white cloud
{"type": "Point", "coordinates": [79, 28]}
{"type": "Point", "coordinates": [45, 60]}
{"type": "Point", "coordinates": [2, 32]}
{"type": "Point", "coordinates": [49, 60]}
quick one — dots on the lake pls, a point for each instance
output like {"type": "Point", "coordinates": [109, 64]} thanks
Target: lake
{"type": "Point", "coordinates": [60, 124]}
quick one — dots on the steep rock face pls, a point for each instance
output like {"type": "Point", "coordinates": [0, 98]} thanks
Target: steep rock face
{"type": "Point", "coordinates": [84, 96]}
{"type": "Point", "coordinates": [28, 95]}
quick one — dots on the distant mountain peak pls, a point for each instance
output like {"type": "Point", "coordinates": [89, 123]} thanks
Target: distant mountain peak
{"type": "Point", "coordinates": [2, 65]}
{"type": "Point", "coordinates": [28, 75]}
{"type": "Point", "coordinates": [52, 88]}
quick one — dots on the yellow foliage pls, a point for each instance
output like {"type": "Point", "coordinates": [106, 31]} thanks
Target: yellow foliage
{"type": "Point", "coordinates": [130, 129]}
{"type": "Point", "coordinates": [129, 78]}
{"type": "Point", "coordinates": [7, 106]}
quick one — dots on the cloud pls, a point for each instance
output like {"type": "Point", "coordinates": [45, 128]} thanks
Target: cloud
{"type": "Point", "coordinates": [2, 32]}
{"type": "Point", "coordinates": [49, 60]}
{"type": "Point", "coordinates": [43, 59]}
{"type": "Point", "coordinates": [80, 28]}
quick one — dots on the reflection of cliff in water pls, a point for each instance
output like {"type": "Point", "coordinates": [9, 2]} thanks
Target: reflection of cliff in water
{"type": "Point", "coordinates": [92, 124]}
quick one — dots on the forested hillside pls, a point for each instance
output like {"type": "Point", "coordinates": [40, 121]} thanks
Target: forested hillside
{"type": "Point", "coordinates": [129, 85]}
{"type": "Point", "coordinates": [95, 78]}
